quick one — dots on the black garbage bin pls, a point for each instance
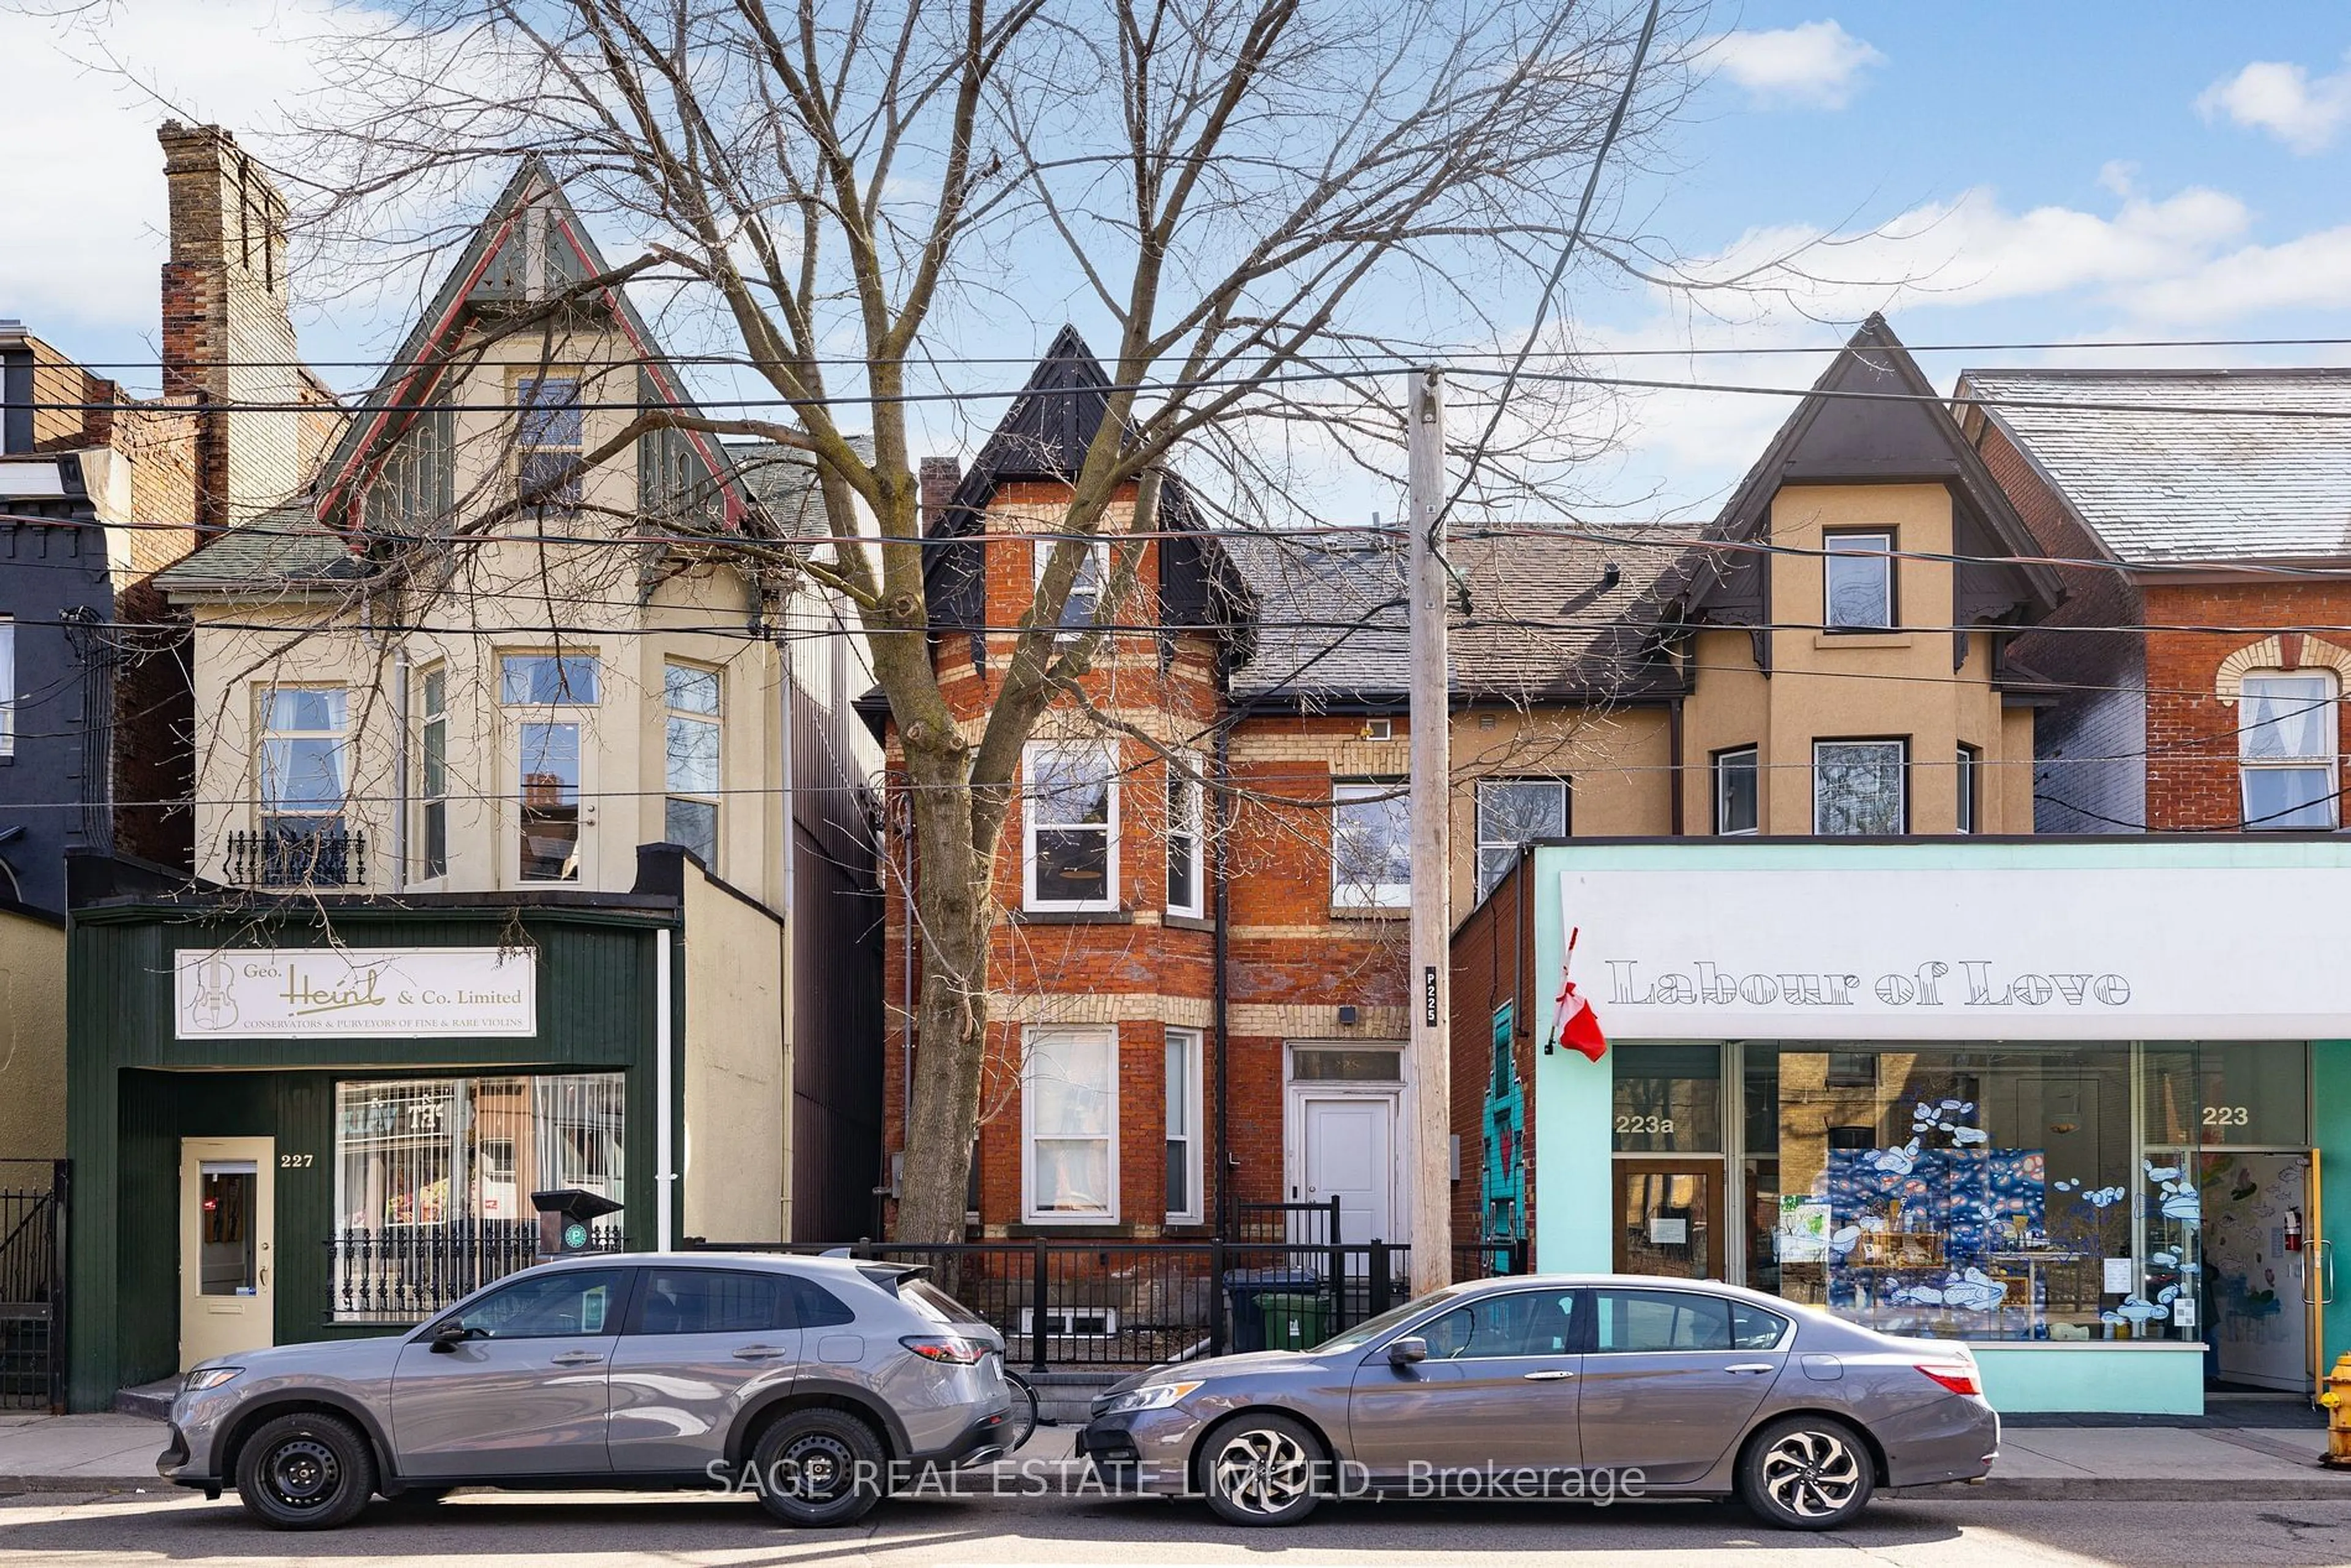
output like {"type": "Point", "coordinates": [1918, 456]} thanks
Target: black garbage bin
{"type": "Point", "coordinates": [1244, 1322]}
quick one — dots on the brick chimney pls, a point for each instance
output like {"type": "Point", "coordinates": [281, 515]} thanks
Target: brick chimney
{"type": "Point", "coordinates": [228, 338]}
{"type": "Point", "coordinates": [939, 477]}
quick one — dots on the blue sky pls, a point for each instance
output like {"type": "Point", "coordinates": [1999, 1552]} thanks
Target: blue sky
{"type": "Point", "coordinates": [2069, 172]}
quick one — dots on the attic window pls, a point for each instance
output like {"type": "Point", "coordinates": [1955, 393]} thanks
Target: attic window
{"type": "Point", "coordinates": [1858, 574]}
{"type": "Point", "coordinates": [547, 428]}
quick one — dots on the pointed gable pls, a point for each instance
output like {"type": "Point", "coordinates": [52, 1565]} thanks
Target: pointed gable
{"type": "Point", "coordinates": [1871, 418]}
{"type": "Point", "coordinates": [530, 248]}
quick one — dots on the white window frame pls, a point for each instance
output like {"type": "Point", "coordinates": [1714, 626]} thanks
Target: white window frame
{"type": "Point", "coordinates": [1097, 556]}
{"type": "Point", "coordinates": [1566, 789]}
{"type": "Point", "coordinates": [7, 685]}
{"type": "Point", "coordinates": [1343, 895]}
{"type": "Point", "coordinates": [1840, 546]}
{"type": "Point", "coordinates": [1189, 1042]}
{"type": "Point", "coordinates": [570, 706]}
{"type": "Point", "coordinates": [1902, 755]}
{"type": "Point", "coordinates": [1106, 1036]}
{"type": "Point", "coordinates": [336, 818]}
{"type": "Point", "coordinates": [427, 799]}
{"type": "Point", "coordinates": [1186, 832]}
{"type": "Point", "coordinates": [2328, 761]}
{"type": "Point", "coordinates": [569, 498]}
{"type": "Point", "coordinates": [716, 722]}
{"type": "Point", "coordinates": [1754, 755]}
{"type": "Point", "coordinates": [1030, 897]}
{"type": "Point", "coordinates": [1969, 800]}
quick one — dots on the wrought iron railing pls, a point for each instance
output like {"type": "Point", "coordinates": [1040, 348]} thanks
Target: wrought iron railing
{"type": "Point", "coordinates": [32, 1284]}
{"type": "Point", "coordinates": [1067, 1303]}
{"type": "Point", "coordinates": [282, 857]}
{"type": "Point", "coordinates": [406, 1273]}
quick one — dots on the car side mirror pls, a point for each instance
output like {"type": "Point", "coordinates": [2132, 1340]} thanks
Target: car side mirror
{"type": "Point", "coordinates": [1407, 1351]}
{"type": "Point", "coordinates": [449, 1336]}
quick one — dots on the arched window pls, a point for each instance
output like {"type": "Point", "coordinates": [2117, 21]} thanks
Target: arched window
{"type": "Point", "coordinates": [2285, 747]}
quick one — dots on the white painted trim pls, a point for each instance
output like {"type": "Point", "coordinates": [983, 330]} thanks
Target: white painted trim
{"type": "Point", "coordinates": [1193, 1042]}
{"type": "Point", "coordinates": [664, 1102]}
{"type": "Point", "coordinates": [1030, 1213]}
{"type": "Point", "coordinates": [1396, 1096]}
{"type": "Point", "coordinates": [1028, 898]}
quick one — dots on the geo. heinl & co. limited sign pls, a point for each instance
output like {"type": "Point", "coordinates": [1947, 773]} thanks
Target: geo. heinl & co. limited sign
{"type": "Point", "coordinates": [240, 993]}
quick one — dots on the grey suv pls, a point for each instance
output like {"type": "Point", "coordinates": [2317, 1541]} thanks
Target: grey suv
{"type": "Point", "coordinates": [815, 1383]}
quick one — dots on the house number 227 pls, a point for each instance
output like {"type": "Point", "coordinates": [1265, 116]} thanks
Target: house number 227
{"type": "Point", "coordinates": [294, 1161]}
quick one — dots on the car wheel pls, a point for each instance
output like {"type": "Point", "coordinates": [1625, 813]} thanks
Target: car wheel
{"type": "Point", "coordinates": [1807, 1472]}
{"type": "Point", "coordinates": [1262, 1469]}
{"type": "Point", "coordinates": [305, 1472]}
{"type": "Point", "coordinates": [819, 1467]}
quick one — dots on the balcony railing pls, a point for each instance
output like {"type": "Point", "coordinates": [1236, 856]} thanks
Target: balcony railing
{"type": "Point", "coordinates": [282, 857]}
{"type": "Point", "coordinates": [406, 1273]}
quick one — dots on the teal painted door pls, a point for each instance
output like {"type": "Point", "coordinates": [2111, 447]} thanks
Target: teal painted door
{"type": "Point", "coordinates": [1502, 1179]}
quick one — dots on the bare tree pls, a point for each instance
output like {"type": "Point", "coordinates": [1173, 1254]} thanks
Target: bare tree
{"type": "Point", "coordinates": [1275, 203]}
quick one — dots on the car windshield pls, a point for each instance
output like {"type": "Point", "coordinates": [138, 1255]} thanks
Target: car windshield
{"type": "Point", "coordinates": [1370, 1329]}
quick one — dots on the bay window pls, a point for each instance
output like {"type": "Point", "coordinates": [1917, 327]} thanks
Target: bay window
{"type": "Point", "coordinates": [1069, 1114]}
{"type": "Point", "coordinates": [1738, 794]}
{"type": "Point", "coordinates": [1858, 788]}
{"type": "Point", "coordinates": [2285, 749]}
{"type": "Point", "coordinates": [1185, 890]}
{"type": "Point", "coordinates": [1370, 846]}
{"type": "Point", "coordinates": [1069, 826]}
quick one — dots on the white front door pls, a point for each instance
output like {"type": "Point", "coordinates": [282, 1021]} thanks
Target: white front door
{"type": "Point", "coordinates": [1347, 1151]}
{"type": "Point", "coordinates": [228, 1265]}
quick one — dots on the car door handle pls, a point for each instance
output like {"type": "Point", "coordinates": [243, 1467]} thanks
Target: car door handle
{"type": "Point", "coordinates": [1750, 1366]}
{"type": "Point", "coordinates": [579, 1358]}
{"type": "Point", "coordinates": [1553, 1375]}
{"type": "Point", "coordinates": [759, 1353]}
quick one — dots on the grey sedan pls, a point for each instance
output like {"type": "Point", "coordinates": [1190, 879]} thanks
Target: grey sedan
{"type": "Point", "coordinates": [1590, 1387]}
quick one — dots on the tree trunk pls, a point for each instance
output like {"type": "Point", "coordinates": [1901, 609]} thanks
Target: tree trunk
{"type": "Point", "coordinates": [951, 904]}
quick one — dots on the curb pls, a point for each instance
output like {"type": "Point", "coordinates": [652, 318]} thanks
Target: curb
{"type": "Point", "coordinates": [18, 1486]}
{"type": "Point", "coordinates": [2320, 1487]}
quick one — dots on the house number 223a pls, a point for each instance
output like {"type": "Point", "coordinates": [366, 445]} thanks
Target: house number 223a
{"type": "Point", "coordinates": [294, 1161]}
{"type": "Point", "coordinates": [1645, 1123]}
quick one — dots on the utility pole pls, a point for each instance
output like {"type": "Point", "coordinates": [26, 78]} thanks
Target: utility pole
{"type": "Point", "coordinates": [1432, 872]}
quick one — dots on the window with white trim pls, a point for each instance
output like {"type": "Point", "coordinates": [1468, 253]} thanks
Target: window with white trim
{"type": "Point", "coordinates": [1069, 1132]}
{"type": "Point", "coordinates": [8, 686]}
{"type": "Point", "coordinates": [433, 795]}
{"type": "Point", "coordinates": [304, 767]}
{"type": "Point", "coordinates": [1858, 788]}
{"type": "Point", "coordinates": [549, 427]}
{"type": "Point", "coordinates": [2286, 750]}
{"type": "Point", "coordinates": [1512, 813]}
{"type": "Point", "coordinates": [1085, 588]}
{"type": "Point", "coordinates": [1370, 846]}
{"type": "Point", "coordinates": [1184, 1203]}
{"type": "Point", "coordinates": [1970, 785]}
{"type": "Point", "coordinates": [1068, 824]}
{"type": "Point", "coordinates": [542, 693]}
{"type": "Point", "coordinates": [691, 750]}
{"type": "Point", "coordinates": [1186, 887]}
{"type": "Point", "coordinates": [1738, 793]}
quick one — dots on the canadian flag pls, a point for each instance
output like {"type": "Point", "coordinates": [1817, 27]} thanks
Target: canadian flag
{"type": "Point", "coordinates": [1575, 1024]}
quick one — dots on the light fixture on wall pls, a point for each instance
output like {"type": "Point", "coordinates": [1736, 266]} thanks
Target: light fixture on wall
{"type": "Point", "coordinates": [1349, 1015]}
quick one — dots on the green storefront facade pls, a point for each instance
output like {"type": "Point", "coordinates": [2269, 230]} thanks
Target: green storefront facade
{"type": "Point", "coordinates": [145, 1102]}
{"type": "Point", "coordinates": [2085, 1104]}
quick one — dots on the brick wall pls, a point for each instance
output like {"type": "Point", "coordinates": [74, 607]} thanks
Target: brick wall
{"type": "Point", "coordinates": [2192, 733]}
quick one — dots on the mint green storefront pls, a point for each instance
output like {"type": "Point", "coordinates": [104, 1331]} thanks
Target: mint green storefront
{"type": "Point", "coordinates": [2085, 1104]}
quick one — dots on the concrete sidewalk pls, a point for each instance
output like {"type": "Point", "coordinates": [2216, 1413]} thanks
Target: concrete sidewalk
{"type": "Point", "coordinates": [2106, 1463]}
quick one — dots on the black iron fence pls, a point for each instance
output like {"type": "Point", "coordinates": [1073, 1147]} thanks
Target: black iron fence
{"type": "Point", "coordinates": [33, 1284]}
{"type": "Point", "coordinates": [286, 857]}
{"type": "Point", "coordinates": [405, 1274]}
{"type": "Point", "coordinates": [1067, 1303]}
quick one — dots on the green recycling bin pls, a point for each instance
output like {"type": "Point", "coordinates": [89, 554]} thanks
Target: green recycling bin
{"type": "Point", "coordinates": [1294, 1321]}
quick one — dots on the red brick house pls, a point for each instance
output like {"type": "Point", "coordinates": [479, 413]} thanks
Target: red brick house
{"type": "Point", "coordinates": [1616, 687]}
{"type": "Point", "coordinates": [2181, 502]}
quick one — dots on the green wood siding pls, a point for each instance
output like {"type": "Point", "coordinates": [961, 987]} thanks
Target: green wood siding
{"type": "Point", "coordinates": [135, 1092]}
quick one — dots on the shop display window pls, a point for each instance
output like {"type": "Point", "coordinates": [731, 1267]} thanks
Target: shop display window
{"type": "Point", "coordinates": [433, 1152]}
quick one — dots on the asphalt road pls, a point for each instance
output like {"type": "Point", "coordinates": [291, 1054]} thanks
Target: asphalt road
{"type": "Point", "coordinates": [489, 1530]}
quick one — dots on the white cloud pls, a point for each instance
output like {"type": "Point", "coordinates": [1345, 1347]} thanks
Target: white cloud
{"type": "Point", "coordinates": [1816, 63]}
{"type": "Point", "coordinates": [2283, 99]}
{"type": "Point", "coordinates": [87, 210]}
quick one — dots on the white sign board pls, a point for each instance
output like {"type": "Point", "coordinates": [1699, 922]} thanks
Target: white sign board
{"type": "Point", "coordinates": [1980, 953]}
{"type": "Point", "coordinates": [239, 993]}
